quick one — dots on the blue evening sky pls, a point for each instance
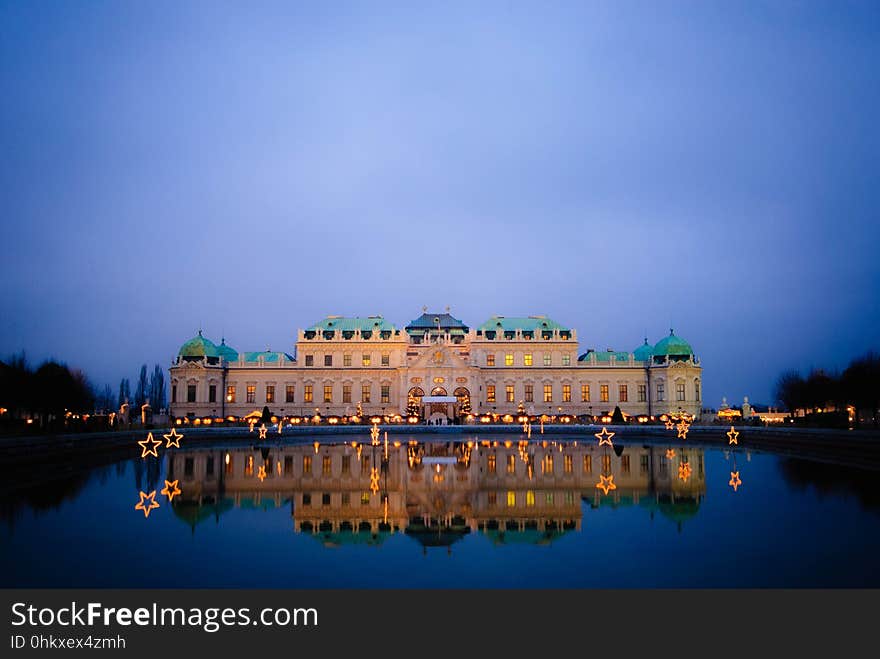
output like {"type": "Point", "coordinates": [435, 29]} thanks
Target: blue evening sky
{"type": "Point", "coordinates": [622, 167]}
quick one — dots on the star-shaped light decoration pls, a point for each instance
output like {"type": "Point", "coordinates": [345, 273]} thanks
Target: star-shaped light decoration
{"type": "Point", "coordinates": [684, 471]}
{"type": "Point", "coordinates": [374, 480]}
{"type": "Point", "coordinates": [734, 481]}
{"type": "Point", "coordinates": [374, 434]}
{"type": "Point", "coordinates": [170, 490]}
{"type": "Point", "coordinates": [732, 435]}
{"type": "Point", "coordinates": [173, 438]}
{"type": "Point", "coordinates": [152, 450]}
{"type": "Point", "coordinates": [606, 483]}
{"type": "Point", "coordinates": [263, 431]}
{"type": "Point", "coordinates": [683, 428]}
{"type": "Point", "coordinates": [669, 424]}
{"type": "Point", "coordinates": [670, 453]}
{"type": "Point", "coordinates": [261, 473]}
{"type": "Point", "coordinates": [147, 502]}
{"type": "Point", "coordinates": [604, 437]}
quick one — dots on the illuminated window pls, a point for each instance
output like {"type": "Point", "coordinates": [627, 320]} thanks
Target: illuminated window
{"type": "Point", "coordinates": [366, 390]}
{"type": "Point", "coordinates": [624, 464]}
{"type": "Point", "coordinates": [346, 359]}
{"type": "Point", "coordinates": [529, 393]}
{"type": "Point", "coordinates": [230, 393]}
{"type": "Point", "coordinates": [642, 393]}
{"type": "Point", "coordinates": [438, 357]}
{"type": "Point", "coordinates": [661, 391]}
{"type": "Point", "coordinates": [270, 393]}
{"type": "Point", "coordinates": [548, 393]}
{"type": "Point", "coordinates": [603, 393]}
{"type": "Point", "coordinates": [548, 359]}
{"type": "Point", "coordinates": [307, 465]}
{"type": "Point", "coordinates": [527, 359]}
{"type": "Point", "coordinates": [508, 393]}
{"type": "Point", "coordinates": [230, 464]}
{"type": "Point", "coordinates": [328, 393]}
{"type": "Point", "coordinates": [310, 360]}
{"type": "Point", "coordinates": [346, 464]}
{"type": "Point", "coordinates": [508, 359]}
{"type": "Point", "coordinates": [530, 498]}
{"type": "Point", "coordinates": [679, 391]}
{"type": "Point", "coordinates": [325, 465]}
{"type": "Point", "coordinates": [365, 359]}
{"type": "Point", "coordinates": [289, 392]}
{"type": "Point", "coordinates": [492, 498]}
{"type": "Point", "coordinates": [346, 393]}
{"type": "Point", "coordinates": [385, 393]}
{"type": "Point", "coordinates": [566, 360]}
{"type": "Point", "coordinates": [386, 359]}
{"type": "Point", "coordinates": [568, 464]}
{"type": "Point", "coordinates": [249, 466]}
{"type": "Point", "coordinates": [490, 393]}
{"type": "Point", "coordinates": [511, 464]}
{"type": "Point", "coordinates": [212, 393]}
{"type": "Point", "coordinates": [190, 393]}
{"type": "Point", "coordinates": [251, 393]}
{"type": "Point", "coordinates": [566, 393]}
{"type": "Point", "coordinates": [547, 464]}
{"type": "Point", "coordinates": [585, 393]}
{"type": "Point", "coordinates": [328, 360]}
{"type": "Point", "coordinates": [511, 499]}
{"type": "Point", "coordinates": [365, 499]}
{"type": "Point", "coordinates": [491, 463]}
{"type": "Point", "coordinates": [588, 464]}
{"type": "Point", "coordinates": [308, 396]}
{"type": "Point", "coordinates": [490, 360]}
{"type": "Point", "coordinates": [622, 393]}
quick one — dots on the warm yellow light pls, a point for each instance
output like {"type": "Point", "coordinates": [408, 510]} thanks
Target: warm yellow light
{"type": "Point", "coordinates": [317, 445]}
{"type": "Point", "coordinates": [732, 436]}
{"type": "Point", "coordinates": [173, 438]}
{"type": "Point", "coordinates": [228, 458]}
{"type": "Point", "coordinates": [670, 453]}
{"type": "Point", "coordinates": [735, 481]}
{"type": "Point", "coordinates": [170, 490]}
{"type": "Point", "coordinates": [152, 450]}
{"type": "Point", "coordinates": [604, 437]}
{"type": "Point", "coordinates": [606, 483]}
{"type": "Point", "coordinates": [261, 473]}
{"type": "Point", "coordinates": [147, 502]}
{"type": "Point", "coordinates": [263, 431]}
{"type": "Point", "coordinates": [684, 471]}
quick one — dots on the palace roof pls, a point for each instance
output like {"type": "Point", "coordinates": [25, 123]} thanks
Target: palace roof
{"type": "Point", "coordinates": [527, 324]}
{"type": "Point", "coordinates": [673, 346]}
{"type": "Point", "coordinates": [351, 324]}
{"type": "Point", "coordinates": [430, 321]}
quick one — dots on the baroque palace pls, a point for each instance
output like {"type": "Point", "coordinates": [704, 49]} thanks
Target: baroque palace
{"type": "Point", "coordinates": [439, 367]}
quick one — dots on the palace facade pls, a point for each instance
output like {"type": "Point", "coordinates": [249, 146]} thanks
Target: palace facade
{"type": "Point", "coordinates": [438, 365]}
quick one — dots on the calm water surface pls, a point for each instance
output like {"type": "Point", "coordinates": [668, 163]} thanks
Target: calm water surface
{"type": "Point", "coordinates": [442, 514]}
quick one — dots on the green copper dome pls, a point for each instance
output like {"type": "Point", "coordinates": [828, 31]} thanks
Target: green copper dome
{"type": "Point", "coordinates": [644, 352]}
{"type": "Point", "coordinates": [199, 346]}
{"type": "Point", "coordinates": [673, 346]}
{"type": "Point", "coordinates": [229, 354]}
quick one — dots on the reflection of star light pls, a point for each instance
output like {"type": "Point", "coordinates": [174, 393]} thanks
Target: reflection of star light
{"type": "Point", "coordinates": [173, 438]}
{"type": "Point", "coordinates": [261, 473]}
{"type": "Point", "coordinates": [170, 490]}
{"type": "Point", "coordinates": [670, 453]}
{"type": "Point", "coordinates": [684, 471]}
{"type": "Point", "coordinates": [263, 431]}
{"type": "Point", "coordinates": [604, 437]}
{"type": "Point", "coordinates": [606, 483]}
{"type": "Point", "coordinates": [152, 450]}
{"type": "Point", "coordinates": [732, 435]}
{"type": "Point", "coordinates": [150, 500]}
{"type": "Point", "coordinates": [374, 434]}
{"type": "Point", "coordinates": [683, 428]}
{"type": "Point", "coordinates": [735, 481]}
{"type": "Point", "coordinates": [251, 426]}
{"type": "Point", "coordinates": [374, 480]}
{"type": "Point", "coordinates": [280, 425]}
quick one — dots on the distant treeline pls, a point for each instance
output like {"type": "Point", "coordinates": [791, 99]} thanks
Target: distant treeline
{"type": "Point", "coordinates": [52, 389]}
{"type": "Point", "coordinates": [858, 386]}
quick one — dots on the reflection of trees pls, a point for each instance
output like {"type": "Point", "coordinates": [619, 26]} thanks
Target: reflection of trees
{"type": "Point", "coordinates": [833, 480]}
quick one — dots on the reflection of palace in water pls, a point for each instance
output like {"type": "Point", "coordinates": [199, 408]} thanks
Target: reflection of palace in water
{"type": "Point", "coordinates": [436, 492]}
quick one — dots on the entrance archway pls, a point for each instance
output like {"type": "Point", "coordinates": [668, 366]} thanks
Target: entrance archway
{"type": "Point", "coordinates": [438, 391]}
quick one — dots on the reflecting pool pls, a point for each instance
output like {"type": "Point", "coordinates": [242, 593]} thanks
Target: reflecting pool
{"type": "Point", "coordinates": [460, 511]}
